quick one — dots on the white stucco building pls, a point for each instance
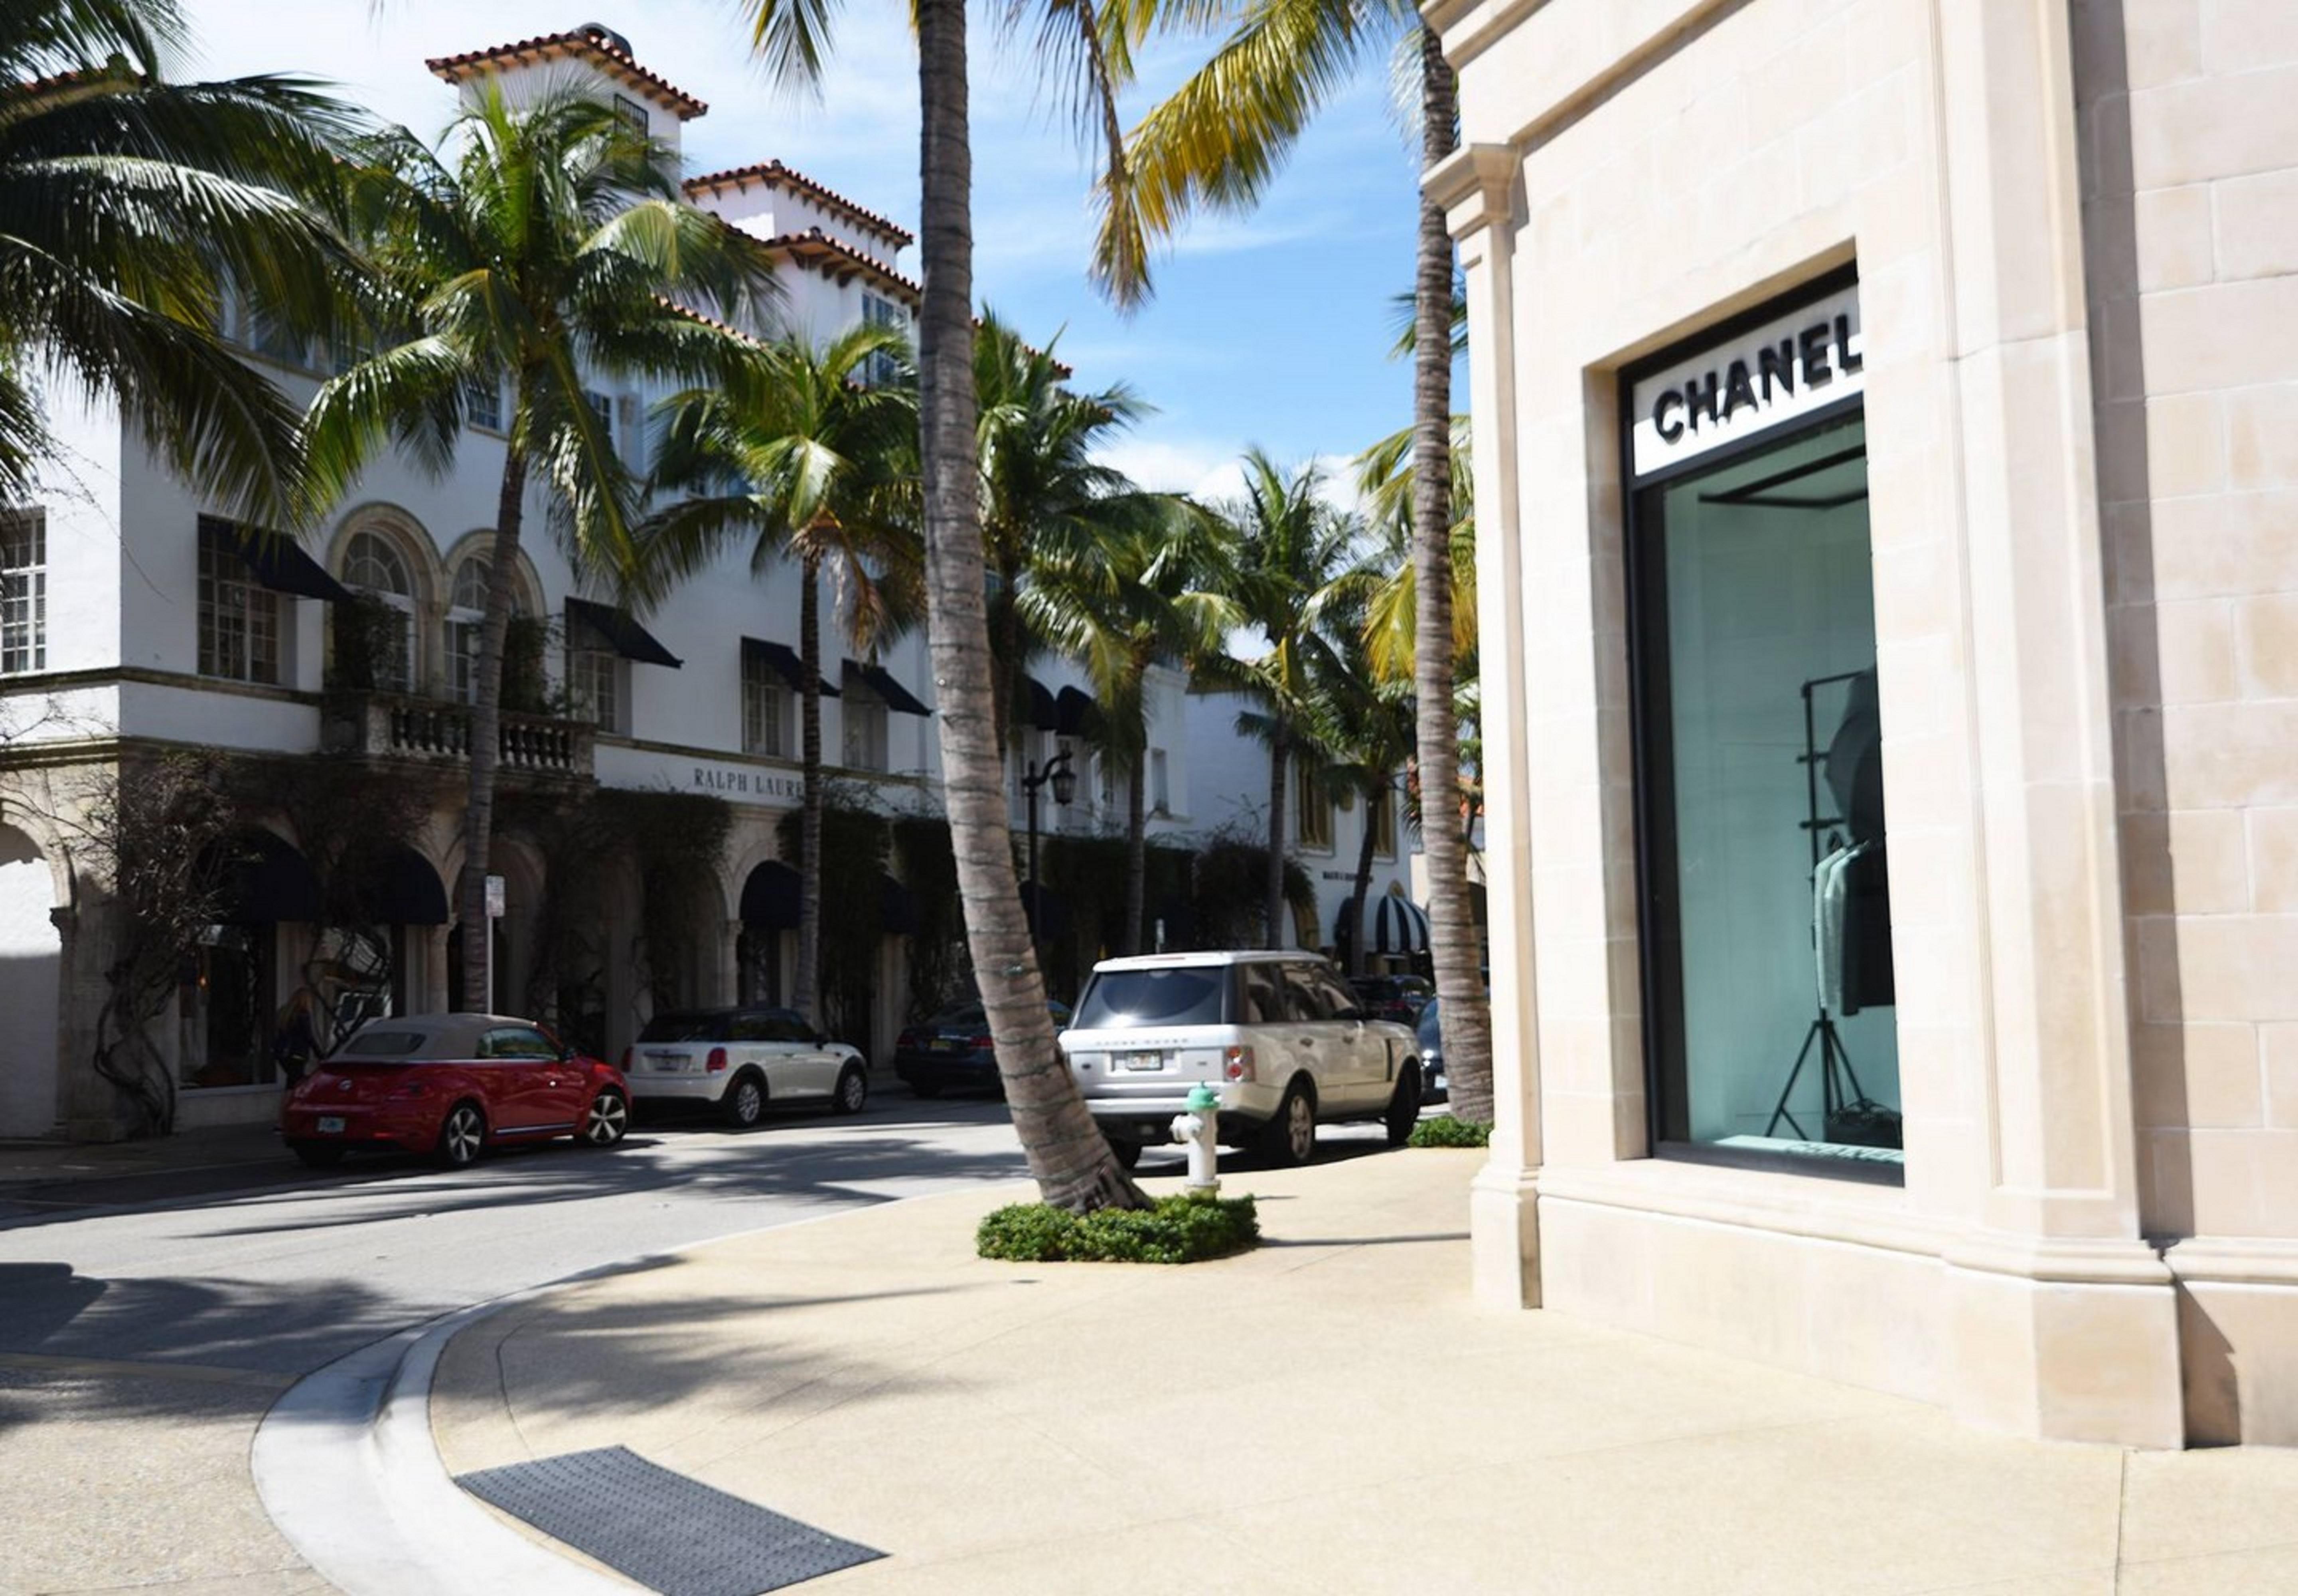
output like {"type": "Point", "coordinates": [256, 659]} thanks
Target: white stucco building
{"type": "Point", "coordinates": [133, 621]}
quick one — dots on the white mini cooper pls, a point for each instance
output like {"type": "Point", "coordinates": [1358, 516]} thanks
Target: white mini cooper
{"type": "Point", "coordinates": [1278, 1035]}
{"type": "Point", "coordinates": [738, 1061]}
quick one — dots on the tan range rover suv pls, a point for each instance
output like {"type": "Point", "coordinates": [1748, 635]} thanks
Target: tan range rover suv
{"type": "Point", "coordinates": [1278, 1035]}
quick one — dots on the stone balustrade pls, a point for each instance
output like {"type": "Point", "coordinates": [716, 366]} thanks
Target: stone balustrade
{"type": "Point", "coordinates": [432, 731]}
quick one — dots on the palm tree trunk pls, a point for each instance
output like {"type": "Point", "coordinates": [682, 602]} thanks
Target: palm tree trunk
{"type": "Point", "coordinates": [1071, 1160]}
{"type": "Point", "coordinates": [1467, 1015]}
{"type": "Point", "coordinates": [1136, 851]}
{"type": "Point", "coordinates": [1364, 887]}
{"type": "Point", "coordinates": [1272, 902]}
{"type": "Point", "coordinates": [486, 734]}
{"type": "Point", "coordinates": [807, 997]}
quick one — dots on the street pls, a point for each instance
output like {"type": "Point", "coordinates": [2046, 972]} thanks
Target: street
{"type": "Point", "coordinates": [148, 1322]}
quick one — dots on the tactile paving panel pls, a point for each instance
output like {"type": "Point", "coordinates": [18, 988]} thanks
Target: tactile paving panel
{"type": "Point", "coordinates": [670, 1533]}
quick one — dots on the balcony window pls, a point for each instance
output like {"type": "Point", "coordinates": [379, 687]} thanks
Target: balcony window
{"type": "Point", "coordinates": [466, 613]}
{"type": "Point", "coordinates": [864, 715]}
{"type": "Point", "coordinates": [238, 617]}
{"type": "Point", "coordinates": [23, 592]}
{"type": "Point", "coordinates": [599, 681]}
{"type": "Point", "coordinates": [1313, 810]}
{"type": "Point", "coordinates": [764, 694]}
{"type": "Point", "coordinates": [1381, 816]}
{"type": "Point", "coordinates": [483, 402]}
{"type": "Point", "coordinates": [373, 567]}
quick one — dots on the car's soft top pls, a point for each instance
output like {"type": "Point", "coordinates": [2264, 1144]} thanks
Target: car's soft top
{"type": "Point", "coordinates": [415, 1038]}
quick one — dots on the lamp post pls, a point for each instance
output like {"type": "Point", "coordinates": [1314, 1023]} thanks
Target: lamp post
{"type": "Point", "coordinates": [1059, 772]}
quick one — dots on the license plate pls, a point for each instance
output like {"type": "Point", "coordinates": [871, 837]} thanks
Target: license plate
{"type": "Point", "coordinates": [331, 1125]}
{"type": "Point", "coordinates": [942, 1044]}
{"type": "Point", "coordinates": [1144, 1060]}
{"type": "Point", "coordinates": [665, 1062]}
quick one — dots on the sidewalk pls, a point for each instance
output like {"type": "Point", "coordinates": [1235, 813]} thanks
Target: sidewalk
{"type": "Point", "coordinates": [1327, 1414]}
{"type": "Point", "coordinates": [58, 1163]}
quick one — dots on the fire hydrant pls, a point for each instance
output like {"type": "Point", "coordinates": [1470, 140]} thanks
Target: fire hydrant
{"type": "Point", "coordinates": [1197, 1129]}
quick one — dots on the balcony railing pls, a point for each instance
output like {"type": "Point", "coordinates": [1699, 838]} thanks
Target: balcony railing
{"type": "Point", "coordinates": [428, 731]}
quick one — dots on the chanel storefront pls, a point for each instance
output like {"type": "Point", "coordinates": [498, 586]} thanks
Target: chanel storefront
{"type": "Point", "coordinates": [1890, 686]}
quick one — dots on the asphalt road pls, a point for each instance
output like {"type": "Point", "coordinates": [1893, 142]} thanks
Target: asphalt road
{"type": "Point", "coordinates": [148, 1322]}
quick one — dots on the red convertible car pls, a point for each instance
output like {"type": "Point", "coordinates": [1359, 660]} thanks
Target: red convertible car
{"type": "Point", "coordinates": [450, 1085]}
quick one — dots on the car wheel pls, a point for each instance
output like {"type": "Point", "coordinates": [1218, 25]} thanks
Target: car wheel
{"type": "Point", "coordinates": [318, 1156]}
{"type": "Point", "coordinates": [1403, 1107]}
{"type": "Point", "coordinates": [745, 1103]}
{"type": "Point", "coordinates": [461, 1134]}
{"type": "Point", "coordinates": [1127, 1151]}
{"type": "Point", "coordinates": [1291, 1137]}
{"type": "Point", "coordinates": [852, 1090]}
{"type": "Point", "coordinates": [609, 1119]}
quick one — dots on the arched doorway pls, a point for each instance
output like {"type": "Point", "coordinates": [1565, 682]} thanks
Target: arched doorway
{"type": "Point", "coordinates": [32, 959]}
{"type": "Point", "coordinates": [263, 882]}
{"type": "Point", "coordinates": [769, 911]}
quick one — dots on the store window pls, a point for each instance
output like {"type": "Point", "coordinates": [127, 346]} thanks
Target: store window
{"type": "Point", "coordinates": [238, 616]}
{"type": "Point", "coordinates": [1766, 896]}
{"type": "Point", "coordinates": [23, 592]}
{"type": "Point", "coordinates": [598, 679]}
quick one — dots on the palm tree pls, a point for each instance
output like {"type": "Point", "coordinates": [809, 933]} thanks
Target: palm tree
{"type": "Point", "coordinates": [792, 450]}
{"type": "Point", "coordinates": [1072, 1162]}
{"type": "Point", "coordinates": [1365, 725]}
{"type": "Point", "coordinates": [1291, 552]}
{"type": "Point", "coordinates": [132, 207]}
{"type": "Point", "coordinates": [1044, 495]}
{"type": "Point", "coordinates": [1153, 592]}
{"type": "Point", "coordinates": [545, 253]}
{"type": "Point", "coordinates": [1219, 140]}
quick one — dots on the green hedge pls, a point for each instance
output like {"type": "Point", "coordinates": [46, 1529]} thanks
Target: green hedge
{"type": "Point", "coordinates": [1445, 1131]}
{"type": "Point", "coordinates": [1180, 1229]}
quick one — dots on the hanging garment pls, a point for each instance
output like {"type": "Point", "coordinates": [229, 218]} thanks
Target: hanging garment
{"type": "Point", "coordinates": [1851, 929]}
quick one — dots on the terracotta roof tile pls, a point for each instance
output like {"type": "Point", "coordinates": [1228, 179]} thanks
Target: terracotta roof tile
{"type": "Point", "coordinates": [594, 45]}
{"type": "Point", "coordinates": [813, 246]}
{"type": "Point", "coordinates": [774, 174]}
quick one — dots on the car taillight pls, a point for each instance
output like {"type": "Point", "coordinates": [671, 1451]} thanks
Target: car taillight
{"type": "Point", "coordinates": [984, 1041]}
{"type": "Point", "coordinates": [717, 1062]}
{"type": "Point", "coordinates": [910, 1040]}
{"type": "Point", "coordinates": [1236, 1063]}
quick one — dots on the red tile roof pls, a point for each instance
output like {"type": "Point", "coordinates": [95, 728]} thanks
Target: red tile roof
{"type": "Point", "coordinates": [833, 258]}
{"type": "Point", "coordinates": [774, 174]}
{"type": "Point", "coordinates": [595, 45]}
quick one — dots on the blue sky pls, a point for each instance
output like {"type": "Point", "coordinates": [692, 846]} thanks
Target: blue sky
{"type": "Point", "coordinates": [1269, 330]}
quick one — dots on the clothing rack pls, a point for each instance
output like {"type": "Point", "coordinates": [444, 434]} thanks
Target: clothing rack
{"type": "Point", "coordinates": [1839, 1084]}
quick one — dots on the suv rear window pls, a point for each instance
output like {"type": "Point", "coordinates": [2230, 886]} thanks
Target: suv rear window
{"type": "Point", "coordinates": [1122, 999]}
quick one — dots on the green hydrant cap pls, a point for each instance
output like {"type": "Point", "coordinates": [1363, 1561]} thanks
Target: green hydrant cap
{"type": "Point", "coordinates": [1202, 1097]}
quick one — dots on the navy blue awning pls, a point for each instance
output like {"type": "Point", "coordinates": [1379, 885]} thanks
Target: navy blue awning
{"type": "Point", "coordinates": [784, 662]}
{"type": "Point", "coordinates": [275, 560]}
{"type": "Point", "coordinates": [878, 680]}
{"type": "Point", "coordinates": [770, 897]}
{"type": "Point", "coordinates": [1044, 713]}
{"type": "Point", "coordinates": [619, 630]}
{"type": "Point", "coordinates": [261, 879]}
{"type": "Point", "coordinates": [1075, 714]}
{"type": "Point", "coordinates": [401, 889]}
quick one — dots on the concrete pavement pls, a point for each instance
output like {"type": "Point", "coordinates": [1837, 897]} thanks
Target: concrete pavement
{"type": "Point", "coordinates": [1327, 1414]}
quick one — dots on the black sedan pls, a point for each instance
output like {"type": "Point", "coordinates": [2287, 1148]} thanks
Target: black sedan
{"type": "Point", "coordinates": [954, 1049]}
{"type": "Point", "coordinates": [1434, 1087]}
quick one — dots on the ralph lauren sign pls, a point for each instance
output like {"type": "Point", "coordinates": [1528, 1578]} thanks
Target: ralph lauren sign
{"type": "Point", "coordinates": [1788, 368]}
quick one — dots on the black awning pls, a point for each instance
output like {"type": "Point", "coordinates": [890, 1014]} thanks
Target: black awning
{"type": "Point", "coordinates": [1399, 927]}
{"type": "Point", "coordinates": [399, 887]}
{"type": "Point", "coordinates": [897, 907]}
{"type": "Point", "coordinates": [784, 661]}
{"type": "Point", "coordinates": [277, 560]}
{"type": "Point", "coordinates": [1044, 713]}
{"type": "Point", "coordinates": [261, 879]}
{"type": "Point", "coordinates": [619, 630]}
{"type": "Point", "coordinates": [1075, 714]}
{"type": "Point", "coordinates": [770, 898]}
{"type": "Point", "coordinates": [878, 680]}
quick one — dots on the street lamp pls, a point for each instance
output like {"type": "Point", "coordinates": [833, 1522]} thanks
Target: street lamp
{"type": "Point", "coordinates": [1059, 772]}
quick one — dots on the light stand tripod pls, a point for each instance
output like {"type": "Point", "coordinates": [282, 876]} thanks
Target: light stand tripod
{"type": "Point", "coordinates": [1840, 1091]}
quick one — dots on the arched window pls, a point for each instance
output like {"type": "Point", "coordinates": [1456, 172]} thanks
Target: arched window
{"type": "Point", "coordinates": [466, 612]}
{"type": "Point", "coordinates": [378, 571]}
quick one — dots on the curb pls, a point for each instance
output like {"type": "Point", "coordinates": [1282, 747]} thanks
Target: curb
{"type": "Point", "coordinates": [348, 1471]}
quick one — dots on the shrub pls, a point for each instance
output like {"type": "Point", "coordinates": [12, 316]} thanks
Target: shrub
{"type": "Point", "coordinates": [1181, 1229]}
{"type": "Point", "coordinates": [1445, 1131]}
